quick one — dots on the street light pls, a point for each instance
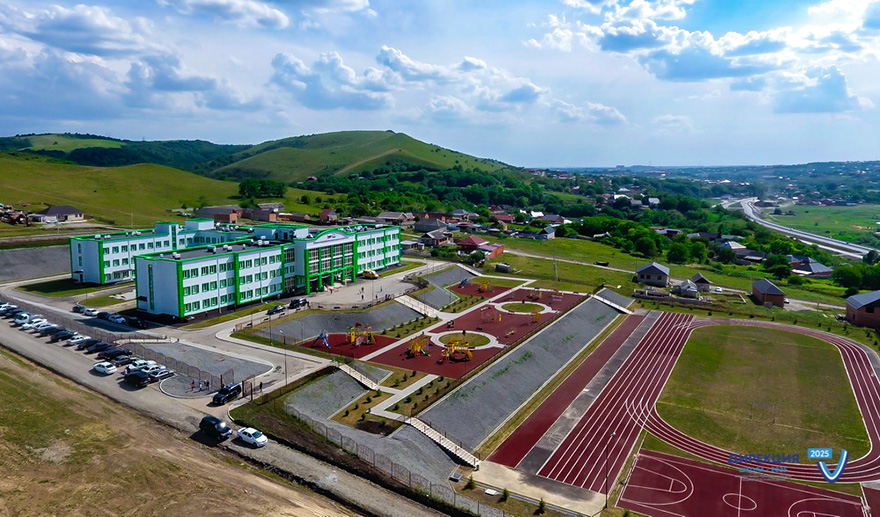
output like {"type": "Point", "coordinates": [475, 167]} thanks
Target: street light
{"type": "Point", "coordinates": [606, 466]}
{"type": "Point", "coordinates": [284, 340]}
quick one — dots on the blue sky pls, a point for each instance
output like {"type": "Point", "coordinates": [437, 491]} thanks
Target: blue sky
{"type": "Point", "coordinates": [551, 83]}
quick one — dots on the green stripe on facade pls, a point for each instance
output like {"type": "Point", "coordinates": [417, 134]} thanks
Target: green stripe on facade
{"type": "Point", "coordinates": [181, 312]}
{"type": "Point", "coordinates": [101, 259]}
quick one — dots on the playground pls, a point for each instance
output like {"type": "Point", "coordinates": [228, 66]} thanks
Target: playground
{"type": "Point", "coordinates": [477, 287]}
{"type": "Point", "coordinates": [358, 342]}
{"type": "Point", "coordinates": [422, 354]}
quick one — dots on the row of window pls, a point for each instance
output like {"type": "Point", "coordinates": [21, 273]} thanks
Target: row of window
{"type": "Point", "coordinates": [135, 247]}
{"type": "Point", "coordinates": [115, 262]}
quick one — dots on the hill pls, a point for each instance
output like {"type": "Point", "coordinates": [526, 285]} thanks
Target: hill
{"type": "Point", "coordinates": [100, 151]}
{"type": "Point", "coordinates": [136, 194]}
{"type": "Point", "coordinates": [297, 158]}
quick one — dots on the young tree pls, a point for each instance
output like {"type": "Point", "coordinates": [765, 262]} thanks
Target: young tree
{"type": "Point", "coordinates": [678, 253]}
{"type": "Point", "coordinates": [646, 247]}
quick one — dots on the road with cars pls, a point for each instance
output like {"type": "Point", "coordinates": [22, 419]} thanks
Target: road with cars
{"type": "Point", "coordinates": [847, 249]}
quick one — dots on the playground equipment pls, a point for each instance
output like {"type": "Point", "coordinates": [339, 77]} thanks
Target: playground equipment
{"type": "Point", "coordinates": [361, 335]}
{"type": "Point", "coordinates": [322, 338]}
{"type": "Point", "coordinates": [490, 315]}
{"type": "Point", "coordinates": [484, 286]}
{"type": "Point", "coordinates": [555, 297]}
{"type": "Point", "coordinates": [418, 346]}
{"type": "Point", "coordinates": [464, 282]}
{"type": "Point", "coordinates": [457, 351]}
{"type": "Point", "coordinates": [535, 295]}
{"type": "Point", "coordinates": [536, 316]}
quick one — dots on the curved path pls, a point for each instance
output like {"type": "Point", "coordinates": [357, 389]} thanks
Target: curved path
{"type": "Point", "coordinates": [865, 385]}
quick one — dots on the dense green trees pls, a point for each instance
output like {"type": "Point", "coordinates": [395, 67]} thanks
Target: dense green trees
{"type": "Point", "coordinates": [251, 188]}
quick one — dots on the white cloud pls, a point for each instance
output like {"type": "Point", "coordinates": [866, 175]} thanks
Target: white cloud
{"type": "Point", "coordinates": [328, 84]}
{"type": "Point", "coordinates": [822, 90]}
{"type": "Point", "coordinates": [673, 124]}
{"type": "Point", "coordinates": [83, 29]}
{"type": "Point", "coordinates": [247, 13]}
{"type": "Point", "coordinates": [591, 112]}
{"type": "Point", "coordinates": [410, 69]}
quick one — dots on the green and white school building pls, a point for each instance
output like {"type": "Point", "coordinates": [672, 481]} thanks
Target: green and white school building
{"type": "Point", "coordinates": [197, 268]}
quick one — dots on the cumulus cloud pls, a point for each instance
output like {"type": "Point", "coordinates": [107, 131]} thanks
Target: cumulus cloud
{"type": "Point", "coordinates": [83, 29]}
{"type": "Point", "coordinates": [446, 108]}
{"type": "Point", "coordinates": [823, 90]}
{"type": "Point", "coordinates": [410, 69]}
{"type": "Point", "coordinates": [327, 84]}
{"type": "Point", "coordinates": [673, 124]}
{"type": "Point", "coordinates": [696, 63]}
{"type": "Point", "coordinates": [247, 13]}
{"type": "Point", "coordinates": [591, 112]}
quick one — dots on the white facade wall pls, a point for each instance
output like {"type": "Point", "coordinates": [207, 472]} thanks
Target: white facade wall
{"type": "Point", "coordinates": [378, 249]}
{"type": "Point", "coordinates": [153, 277]}
{"type": "Point", "coordinates": [259, 273]}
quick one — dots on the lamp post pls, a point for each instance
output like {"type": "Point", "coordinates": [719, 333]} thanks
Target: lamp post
{"type": "Point", "coordinates": [284, 340]}
{"type": "Point", "coordinates": [610, 436]}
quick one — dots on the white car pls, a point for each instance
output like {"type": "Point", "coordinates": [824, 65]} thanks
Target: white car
{"type": "Point", "coordinates": [90, 312]}
{"type": "Point", "coordinates": [77, 339]}
{"type": "Point", "coordinates": [139, 364]}
{"type": "Point", "coordinates": [116, 318]}
{"type": "Point", "coordinates": [105, 367]}
{"type": "Point", "coordinates": [719, 290]}
{"type": "Point", "coordinates": [253, 437]}
{"type": "Point", "coordinates": [33, 323]}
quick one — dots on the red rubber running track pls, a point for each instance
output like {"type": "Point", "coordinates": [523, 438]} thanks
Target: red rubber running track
{"type": "Point", "coordinates": [863, 380]}
{"type": "Point", "coordinates": [662, 485]}
{"type": "Point", "coordinates": [590, 447]}
{"type": "Point", "coordinates": [524, 438]}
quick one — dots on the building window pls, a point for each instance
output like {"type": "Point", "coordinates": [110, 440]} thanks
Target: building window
{"type": "Point", "coordinates": [125, 262]}
{"type": "Point", "coordinates": [196, 306]}
{"type": "Point", "coordinates": [222, 283]}
{"type": "Point", "coordinates": [188, 307]}
{"type": "Point", "coordinates": [195, 289]}
{"type": "Point", "coordinates": [115, 262]}
{"type": "Point", "coordinates": [150, 245]}
{"type": "Point", "coordinates": [213, 269]}
{"type": "Point", "coordinates": [186, 291]}
{"type": "Point", "coordinates": [125, 249]}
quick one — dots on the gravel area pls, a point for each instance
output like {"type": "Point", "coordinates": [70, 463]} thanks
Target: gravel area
{"type": "Point", "coordinates": [19, 264]}
{"type": "Point", "coordinates": [471, 413]}
{"type": "Point", "coordinates": [373, 373]}
{"type": "Point", "coordinates": [440, 297]}
{"type": "Point", "coordinates": [613, 297]}
{"type": "Point", "coordinates": [380, 318]}
{"type": "Point", "coordinates": [436, 297]}
{"type": "Point", "coordinates": [406, 447]}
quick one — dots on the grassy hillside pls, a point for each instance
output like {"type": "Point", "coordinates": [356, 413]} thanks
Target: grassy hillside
{"type": "Point", "coordinates": [67, 143]}
{"type": "Point", "coordinates": [297, 158]}
{"type": "Point", "coordinates": [116, 195]}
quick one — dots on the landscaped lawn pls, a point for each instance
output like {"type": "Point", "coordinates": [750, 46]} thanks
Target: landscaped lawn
{"type": "Point", "coordinates": [562, 275]}
{"type": "Point", "coordinates": [522, 307]}
{"type": "Point", "coordinates": [64, 287]}
{"type": "Point", "coordinates": [754, 390]}
{"type": "Point", "coordinates": [472, 340]}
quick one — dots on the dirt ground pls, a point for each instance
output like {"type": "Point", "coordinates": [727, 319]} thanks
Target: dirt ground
{"type": "Point", "coordinates": [65, 450]}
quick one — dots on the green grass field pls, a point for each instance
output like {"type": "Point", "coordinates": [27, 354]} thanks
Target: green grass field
{"type": "Point", "coordinates": [841, 222]}
{"type": "Point", "coordinates": [763, 391]}
{"type": "Point", "coordinates": [562, 275]}
{"type": "Point", "coordinates": [68, 143]}
{"type": "Point", "coordinates": [136, 195]}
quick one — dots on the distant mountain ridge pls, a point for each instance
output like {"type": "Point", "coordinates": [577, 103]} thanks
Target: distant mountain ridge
{"type": "Point", "coordinates": [288, 160]}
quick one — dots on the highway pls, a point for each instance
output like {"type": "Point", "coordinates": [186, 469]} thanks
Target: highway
{"type": "Point", "coordinates": [846, 249]}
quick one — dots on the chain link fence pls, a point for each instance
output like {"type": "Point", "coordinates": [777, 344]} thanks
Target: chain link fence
{"type": "Point", "coordinates": [440, 491]}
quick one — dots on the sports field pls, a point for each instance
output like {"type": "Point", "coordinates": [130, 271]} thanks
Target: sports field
{"type": "Point", "coordinates": [763, 391]}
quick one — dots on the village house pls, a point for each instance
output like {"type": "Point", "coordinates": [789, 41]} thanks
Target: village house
{"type": "Point", "coordinates": [766, 292]}
{"type": "Point", "coordinates": [653, 274]}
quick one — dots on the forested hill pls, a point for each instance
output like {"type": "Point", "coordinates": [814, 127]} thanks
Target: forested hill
{"type": "Point", "coordinates": [287, 160]}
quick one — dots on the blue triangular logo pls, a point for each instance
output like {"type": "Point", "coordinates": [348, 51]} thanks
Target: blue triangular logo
{"type": "Point", "coordinates": [832, 477]}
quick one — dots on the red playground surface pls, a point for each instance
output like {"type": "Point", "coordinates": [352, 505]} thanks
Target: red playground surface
{"type": "Point", "coordinates": [340, 345]}
{"type": "Point", "coordinates": [662, 485]}
{"type": "Point", "coordinates": [473, 289]}
{"type": "Point", "coordinates": [398, 358]}
{"type": "Point", "coordinates": [512, 326]}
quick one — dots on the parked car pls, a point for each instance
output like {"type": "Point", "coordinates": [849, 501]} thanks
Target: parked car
{"type": "Point", "coordinates": [275, 309]}
{"type": "Point", "coordinates": [100, 346]}
{"type": "Point", "coordinates": [31, 323]}
{"type": "Point", "coordinates": [114, 352]}
{"type": "Point", "coordinates": [51, 331]}
{"type": "Point", "coordinates": [90, 312]}
{"type": "Point", "coordinates": [122, 360]}
{"type": "Point", "coordinates": [75, 340]}
{"type": "Point", "coordinates": [12, 313]}
{"type": "Point", "coordinates": [23, 318]}
{"type": "Point", "coordinates": [105, 368]}
{"type": "Point", "coordinates": [79, 308]}
{"type": "Point", "coordinates": [227, 393]}
{"type": "Point", "coordinates": [84, 344]}
{"type": "Point", "coordinates": [718, 290]}
{"type": "Point", "coordinates": [160, 374]}
{"type": "Point", "coordinates": [296, 303]}
{"type": "Point", "coordinates": [103, 315]}
{"type": "Point", "coordinates": [215, 428]}
{"type": "Point", "coordinates": [138, 364]}
{"type": "Point", "coordinates": [63, 335]}
{"type": "Point", "coordinates": [253, 437]}
{"type": "Point", "coordinates": [136, 322]}
{"type": "Point", "coordinates": [137, 379]}
{"type": "Point", "coordinates": [117, 318]}
{"type": "Point", "coordinates": [152, 368]}
{"type": "Point", "coordinates": [370, 274]}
